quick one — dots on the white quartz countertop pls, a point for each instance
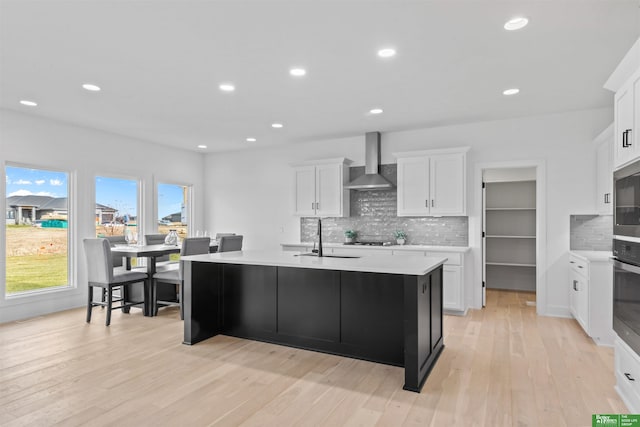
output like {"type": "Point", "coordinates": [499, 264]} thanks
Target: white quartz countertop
{"type": "Point", "coordinates": [457, 249]}
{"type": "Point", "coordinates": [597, 256]}
{"type": "Point", "coordinates": [408, 265]}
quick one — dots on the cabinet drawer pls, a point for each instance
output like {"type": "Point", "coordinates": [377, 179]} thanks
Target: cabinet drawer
{"type": "Point", "coordinates": [627, 366]}
{"type": "Point", "coordinates": [579, 265]}
{"type": "Point", "coordinates": [453, 258]}
{"type": "Point", "coordinates": [408, 253]}
{"type": "Point", "coordinates": [291, 248]}
{"type": "Point", "coordinates": [359, 251]}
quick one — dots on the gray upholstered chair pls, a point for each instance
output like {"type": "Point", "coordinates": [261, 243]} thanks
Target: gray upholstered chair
{"type": "Point", "coordinates": [190, 246]}
{"type": "Point", "coordinates": [219, 235]}
{"type": "Point", "coordinates": [101, 274]}
{"type": "Point", "coordinates": [116, 240]}
{"type": "Point", "coordinates": [156, 239]}
{"type": "Point", "coordinates": [230, 243]}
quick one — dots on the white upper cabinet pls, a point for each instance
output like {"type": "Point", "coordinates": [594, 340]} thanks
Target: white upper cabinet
{"type": "Point", "coordinates": [627, 110]}
{"type": "Point", "coordinates": [319, 188]}
{"type": "Point", "coordinates": [625, 82]}
{"type": "Point", "coordinates": [305, 183]}
{"type": "Point", "coordinates": [447, 184]}
{"type": "Point", "coordinates": [329, 191]}
{"type": "Point", "coordinates": [413, 186]}
{"type": "Point", "coordinates": [432, 183]}
{"type": "Point", "coordinates": [604, 172]}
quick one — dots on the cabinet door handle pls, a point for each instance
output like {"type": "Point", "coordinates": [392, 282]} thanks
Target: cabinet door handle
{"type": "Point", "coordinates": [426, 203]}
{"type": "Point", "coordinates": [575, 285]}
{"type": "Point", "coordinates": [607, 197]}
{"type": "Point", "coordinates": [432, 203]}
{"type": "Point", "coordinates": [629, 377]}
{"type": "Point", "coordinates": [625, 138]}
{"type": "Point", "coordinates": [580, 266]}
{"type": "Point", "coordinates": [317, 206]}
{"type": "Point", "coordinates": [572, 262]}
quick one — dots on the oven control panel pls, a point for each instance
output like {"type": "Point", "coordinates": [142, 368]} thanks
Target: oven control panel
{"type": "Point", "coordinates": [626, 251]}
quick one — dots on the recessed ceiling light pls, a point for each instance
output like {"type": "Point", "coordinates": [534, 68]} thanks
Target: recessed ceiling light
{"type": "Point", "coordinates": [91, 87]}
{"type": "Point", "coordinates": [376, 111]}
{"type": "Point", "coordinates": [386, 52]}
{"type": "Point", "coordinates": [202, 146]}
{"type": "Point", "coordinates": [297, 72]}
{"type": "Point", "coordinates": [511, 91]}
{"type": "Point", "coordinates": [277, 125]}
{"type": "Point", "coordinates": [251, 140]}
{"type": "Point", "coordinates": [516, 23]}
{"type": "Point", "coordinates": [227, 87]}
{"type": "Point", "coordinates": [28, 103]}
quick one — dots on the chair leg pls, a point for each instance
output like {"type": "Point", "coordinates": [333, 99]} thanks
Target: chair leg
{"type": "Point", "coordinates": [89, 303]}
{"type": "Point", "coordinates": [154, 297]}
{"type": "Point", "coordinates": [104, 295]}
{"type": "Point", "coordinates": [125, 298]}
{"type": "Point", "coordinates": [109, 304]}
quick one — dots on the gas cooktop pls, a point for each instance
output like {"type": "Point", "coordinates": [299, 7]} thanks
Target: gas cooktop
{"type": "Point", "coordinates": [369, 243]}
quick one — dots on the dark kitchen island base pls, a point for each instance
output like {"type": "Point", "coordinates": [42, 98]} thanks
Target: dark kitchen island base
{"type": "Point", "coordinates": [387, 318]}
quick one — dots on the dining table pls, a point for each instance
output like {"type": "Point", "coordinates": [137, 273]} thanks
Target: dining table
{"type": "Point", "coordinates": [151, 253]}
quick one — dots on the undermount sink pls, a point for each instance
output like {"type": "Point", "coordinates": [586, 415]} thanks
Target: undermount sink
{"type": "Point", "coordinates": [327, 256]}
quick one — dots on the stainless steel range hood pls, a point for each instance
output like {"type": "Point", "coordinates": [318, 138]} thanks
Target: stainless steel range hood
{"type": "Point", "coordinates": [371, 180]}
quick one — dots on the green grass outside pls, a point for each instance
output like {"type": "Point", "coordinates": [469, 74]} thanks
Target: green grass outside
{"type": "Point", "coordinates": [31, 272]}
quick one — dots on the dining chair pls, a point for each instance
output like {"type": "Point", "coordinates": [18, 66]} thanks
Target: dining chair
{"type": "Point", "coordinates": [102, 274]}
{"type": "Point", "coordinates": [230, 243]}
{"type": "Point", "coordinates": [156, 239]}
{"type": "Point", "coordinates": [116, 240]}
{"type": "Point", "coordinates": [190, 246]}
{"type": "Point", "coordinates": [219, 235]}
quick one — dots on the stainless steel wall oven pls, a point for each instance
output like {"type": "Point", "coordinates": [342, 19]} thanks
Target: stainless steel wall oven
{"type": "Point", "coordinates": [626, 292]}
{"type": "Point", "coordinates": [626, 201]}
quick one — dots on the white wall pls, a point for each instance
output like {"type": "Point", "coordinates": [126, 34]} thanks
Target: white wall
{"type": "Point", "coordinates": [251, 192]}
{"type": "Point", "coordinates": [86, 153]}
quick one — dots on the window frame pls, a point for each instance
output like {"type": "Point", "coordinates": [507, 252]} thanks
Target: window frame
{"type": "Point", "coordinates": [72, 227]}
{"type": "Point", "coordinates": [189, 206]}
{"type": "Point", "coordinates": [140, 208]}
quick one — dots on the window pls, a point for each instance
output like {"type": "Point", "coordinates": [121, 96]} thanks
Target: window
{"type": "Point", "coordinates": [173, 209]}
{"type": "Point", "coordinates": [37, 230]}
{"type": "Point", "coordinates": [116, 207]}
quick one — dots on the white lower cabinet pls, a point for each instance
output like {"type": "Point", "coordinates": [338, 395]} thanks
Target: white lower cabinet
{"type": "Point", "coordinates": [452, 298]}
{"type": "Point", "coordinates": [627, 369]}
{"type": "Point", "coordinates": [591, 284]}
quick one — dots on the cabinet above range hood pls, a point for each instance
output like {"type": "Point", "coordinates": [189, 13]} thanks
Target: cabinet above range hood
{"type": "Point", "coordinates": [371, 180]}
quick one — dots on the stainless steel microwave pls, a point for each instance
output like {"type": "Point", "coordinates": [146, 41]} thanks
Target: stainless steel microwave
{"type": "Point", "coordinates": [626, 201]}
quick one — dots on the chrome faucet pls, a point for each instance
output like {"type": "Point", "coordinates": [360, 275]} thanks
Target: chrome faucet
{"type": "Point", "coordinates": [319, 237]}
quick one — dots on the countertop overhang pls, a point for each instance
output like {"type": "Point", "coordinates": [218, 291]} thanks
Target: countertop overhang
{"type": "Point", "coordinates": [409, 265]}
{"type": "Point", "coordinates": [597, 256]}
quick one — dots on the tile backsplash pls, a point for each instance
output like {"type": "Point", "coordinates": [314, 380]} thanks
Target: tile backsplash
{"type": "Point", "coordinates": [374, 217]}
{"type": "Point", "coordinates": [591, 232]}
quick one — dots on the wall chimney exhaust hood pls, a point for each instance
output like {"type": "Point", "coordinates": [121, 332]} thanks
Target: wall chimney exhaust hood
{"type": "Point", "coordinates": [371, 180]}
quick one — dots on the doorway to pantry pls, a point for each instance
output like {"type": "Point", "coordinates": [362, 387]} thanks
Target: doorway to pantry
{"type": "Point", "coordinates": [509, 231]}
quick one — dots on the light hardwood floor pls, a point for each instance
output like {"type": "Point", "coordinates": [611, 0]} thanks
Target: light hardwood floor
{"type": "Point", "coordinates": [502, 366]}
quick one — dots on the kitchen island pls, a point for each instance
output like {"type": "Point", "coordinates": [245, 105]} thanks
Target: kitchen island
{"type": "Point", "coordinates": [378, 308]}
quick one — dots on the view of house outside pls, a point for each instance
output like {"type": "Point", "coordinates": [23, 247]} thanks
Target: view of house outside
{"type": "Point", "coordinates": [36, 222]}
{"type": "Point", "coordinates": [36, 229]}
{"type": "Point", "coordinates": [172, 209]}
{"type": "Point", "coordinates": [116, 207]}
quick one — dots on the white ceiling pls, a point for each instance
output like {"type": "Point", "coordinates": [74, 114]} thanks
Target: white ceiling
{"type": "Point", "coordinates": [159, 64]}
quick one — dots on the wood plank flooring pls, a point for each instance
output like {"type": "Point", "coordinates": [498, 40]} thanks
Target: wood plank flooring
{"type": "Point", "coordinates": [502, 366]}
